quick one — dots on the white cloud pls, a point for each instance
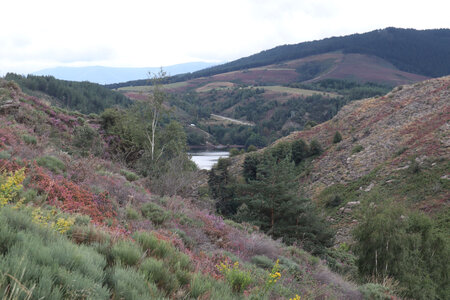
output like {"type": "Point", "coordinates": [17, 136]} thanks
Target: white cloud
{"type": "Point", "coordinates": [38, 34]}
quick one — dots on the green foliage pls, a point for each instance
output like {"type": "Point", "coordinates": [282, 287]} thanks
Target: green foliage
{"type": "Point", "coordinates": [51, 163]}
{"type": "Point", "coordinates": [408, 247]}
{"type": "Point", "coordinates": [132, 214]}
{"type": "Point", "coordinates": [87, 140]}
{"type": "Point", "coordinates": [5, 154]}
{"type": "Point", "coordinates": [315, 148]}
{"type": "Point", "coordinates": [29, 139]}
{"type": "Point", "coordinates": [129, 284]}
{"type": "Point", "coordinates": [337, 137]}
{"type": "Point", "coordinates": [156, 271]}
{"type": "Point", "coordinates": [251, 148]}
{"type": "Point", "coordinates": [155, 213]}
{"type": "Point", "coordinates": [236, 278]}
{"type": "Point", "coordinates": [126, 253]}
{"type": "Point", "coordinates": [300, 151]}
{"type": "Point", "coordinates": [357, 148]}
{"type": "Point", "coordinates": [220, 185]}
{"type": "Point", "coordinates": [234, 152]}
{"type": "Point", "coordinates": [273, 206]}
{"type": "Point", "coordinates": [130, 176]}
{"type": "Point", "coordinates": [154, 246]}
{"type": "Point", "coordinates": [334, 201]}
{"type": "Point", "coordinates": [45, 262]}
{"type": "Point", "coordinates": [200, 284]}
{"type": "Point", "coordinates": [84, 96]}
{"type": "Point", "coordinates": [374, 291]}
{"type": "Point", "coordinates": [262, 261]}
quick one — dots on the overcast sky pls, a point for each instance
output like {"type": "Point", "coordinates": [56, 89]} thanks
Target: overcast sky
{"type": "Point", "coordinates": [132, 33]}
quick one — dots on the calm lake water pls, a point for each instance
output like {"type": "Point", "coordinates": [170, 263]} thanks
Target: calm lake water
{"type": "Point", "coordinates": [206, 159]}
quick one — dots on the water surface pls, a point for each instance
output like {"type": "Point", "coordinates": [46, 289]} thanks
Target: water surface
{"type": "Point", "coordinates": [206, 159]}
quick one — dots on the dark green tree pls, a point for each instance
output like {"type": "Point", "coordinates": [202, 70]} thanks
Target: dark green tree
{"type": "Point", "coordinates": [337, 137]}
{"type": "Point", "coordinates": [300, 151]}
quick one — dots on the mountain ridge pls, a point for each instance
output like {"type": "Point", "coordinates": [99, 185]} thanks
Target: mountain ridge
{"type": "Point", "coordinates": [110, 75]}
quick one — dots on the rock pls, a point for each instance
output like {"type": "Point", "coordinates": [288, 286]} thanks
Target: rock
{"type": "Point", "coordinates": [352, 203]}
{"type": "Point", "coordinates": [371, 185]}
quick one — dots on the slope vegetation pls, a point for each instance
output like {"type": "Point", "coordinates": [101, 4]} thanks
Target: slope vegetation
{"type": "Point", "coordinates": [77, 225]}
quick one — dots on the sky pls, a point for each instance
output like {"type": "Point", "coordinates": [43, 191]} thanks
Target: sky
{"type": "Point", "coordinates": [40, 34]}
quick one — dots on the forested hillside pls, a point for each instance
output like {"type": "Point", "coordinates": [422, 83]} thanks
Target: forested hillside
{"type": "Point", "coordinates": [85, 97]}
{"type": "Point", "coordinates": [424, 52]}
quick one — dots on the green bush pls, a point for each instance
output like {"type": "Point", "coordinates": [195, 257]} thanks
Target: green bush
{"type": "Point", "coordinates": [155, 213]}
{"type": "Point", "coordinates": [374, 291]}
{"type": "Point", "coordinates": [262, 261]}
{"type": "Point", "coordinates": [315, 148]}
{"type": "Point", "coordinates": [51, 163]}
{"type": "Point", "coordinates": [129, 284]}
{"type": "Point", "coordinates": [357, 148]}
{"type": "Point", "coordinates": [40, 257]}
{"type": "Point", "coordinates": [5, 154]}
{"type": "Point", "coordinates": [28, 139]}
{"type": "Point", "coordinates": [132, 214]}
{"type": "Point", "coordinates": [153, 245]}
{"type": "Point", "coordinates": [126, 252]}
{"type": "Point", "coordinates": [251, 148]}
{"type": "Point", "coordinates": [200, 284]}
{"type": "Point", "coordinates": [157, 271]}
{"type": "Point", "coordinates": [337, 137]}
{"type": "Point", "coordinates": [234, 152]}
{"type": "Point", "coordinates": [130, 176]}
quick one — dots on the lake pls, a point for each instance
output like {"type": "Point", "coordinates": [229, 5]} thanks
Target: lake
{"type": "Point", "coordinates": [206, 159]}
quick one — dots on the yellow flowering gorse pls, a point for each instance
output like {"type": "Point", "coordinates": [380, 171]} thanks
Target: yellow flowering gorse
{"type": "Point", "coordinates": [52, 220]}
{"type": "Point", "coordinates": [11, 187]}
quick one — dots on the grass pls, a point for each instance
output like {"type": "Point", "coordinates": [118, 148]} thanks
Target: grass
{"type": "Point", "coordinates": [147, 88]}
{"type": "Point", "coordinates": [296, 91]}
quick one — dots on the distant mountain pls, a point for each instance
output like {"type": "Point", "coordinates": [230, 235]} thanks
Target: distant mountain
{"type": "Point", "coordinates": [391, 56]}
{"type": "Point", "coordinates": [424, 52]}
{"type": "Point", "coordinates": [108, 75]}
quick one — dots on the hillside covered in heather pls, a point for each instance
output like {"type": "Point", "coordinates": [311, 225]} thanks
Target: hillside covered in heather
{"type": "Point", "coordinates": [79, 220]}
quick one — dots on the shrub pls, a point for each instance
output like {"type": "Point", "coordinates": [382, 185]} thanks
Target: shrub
{"type": "Point", "coordinates": [234, 152]}
{"type": "Point", "coordinates": [334, 201]}
{"type": "Point", "coordinates": [126, 252]}
{"type": "Point", "coordinates": [131, 285]}
{"type": "Point", "coordinates": [30, 140]}
{"type": "Point", "coordinates": [153, 245]}
{"type": "Point", "coordinates": [200, 284]}
{"type": "Point", "coordinates": [5, 154]}
{"type": "Point", "coordinates": [262, 261]}
{"type": "Point", "coordinates": [36, 256]}
{"type": "Point", "coordinates": [132, 214]}
{"type": "Point", "coordinates": [51, 163]}
{"type": "Point", "coordinates": [130, 176]}
{"type": "Point", "coordinates": [315, 148]}
{"type": "Point", "coordinates": [357, 148]}
{"type": "Point", "coordinates": [155, 213]}
{"type": "Point", "coordinates": [337, 137]}
{"type": "Point", "coordinates": [374, 291]}
{"type": "Point", "coordinates": [251, 148]}
{"type": "Point", "coordinates": [236, 278]}
{"type": "Point", "coordinates": [156, 271]}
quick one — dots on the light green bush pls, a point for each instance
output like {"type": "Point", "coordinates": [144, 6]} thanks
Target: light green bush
{"type": "Point", "coordinates": [126, 252]}
{"type": "Point", "coordinates": [51, 163]}
{"type": "Point", "coordinates": [155, 213]}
